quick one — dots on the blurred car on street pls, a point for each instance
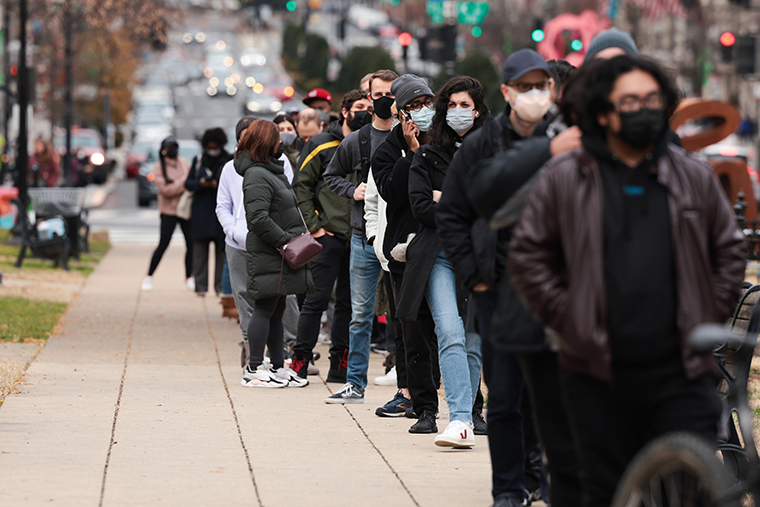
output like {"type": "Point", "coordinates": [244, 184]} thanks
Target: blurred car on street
{"type": "Point", "coordinates": [222, 74]}
{"type": "Point", "coordinates": [261, 104]}
{"type": "Point", "coordinates": [87, 148]}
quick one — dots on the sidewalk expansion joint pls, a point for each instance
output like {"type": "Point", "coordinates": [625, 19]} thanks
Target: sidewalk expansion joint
{"type": "Point", "coordinates": [118, 399]}
{"type": "Point", "coordinates": [232, 404]}
{"type": "Point", "coordinates": [378, 451]}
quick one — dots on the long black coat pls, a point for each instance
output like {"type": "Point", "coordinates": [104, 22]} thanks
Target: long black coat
{"type": "Point", "coordinates": [271, 211]}
{"type": "Point", "coordinates": [426, 174]}
{"type": "Point", "coordinates": [203, 222]}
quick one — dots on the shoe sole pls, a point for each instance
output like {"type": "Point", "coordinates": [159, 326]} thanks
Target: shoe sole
{"type": "Point", "coordinates": [294, 384]}
{"type": "Point", "coordinates": [385, 383]}
{"type": "Point", "coordinates": [381, 413]}
{"type": "Point", "coordinates": [343, 401]}
{"type": "Point", "coordinates": [268, 385]}
{"type": "Point", "coordinates": [459, 444]}
{"type": "Point", "coordinates": [434, 429]}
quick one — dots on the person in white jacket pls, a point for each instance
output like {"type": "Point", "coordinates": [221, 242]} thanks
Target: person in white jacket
{"type": "Point", "coordinates": [231, 215]}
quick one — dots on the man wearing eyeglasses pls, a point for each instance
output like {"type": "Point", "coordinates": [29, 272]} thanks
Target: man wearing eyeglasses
{"type": "Point", "coordinates": [623, 247]}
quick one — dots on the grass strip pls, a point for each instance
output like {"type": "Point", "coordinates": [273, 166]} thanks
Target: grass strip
{"type": "Point", "coordinates": [24, 320]}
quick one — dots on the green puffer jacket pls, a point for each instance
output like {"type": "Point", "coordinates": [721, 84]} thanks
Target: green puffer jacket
{"type": "Point", "coordinates": [271, 211]}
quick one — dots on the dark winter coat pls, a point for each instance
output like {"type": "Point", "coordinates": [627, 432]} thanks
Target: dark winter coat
{"type": "Point", "coordinates": [390, 168]}
{"type": "Point", "coordinates": [271, 211]}
{"type": "Point", "coordinates": [427, 173]}
{"type": "Point", "coordinates": [203, 222]}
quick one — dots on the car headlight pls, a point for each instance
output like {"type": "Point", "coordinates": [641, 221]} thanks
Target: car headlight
{"type": "Point", "coordinates": [253, 106]}
{"type": "Point", "coordinates": [275, 106]}
{"type": "Point", "coordinates": [231, 90]}
{"type": "Point", "coordinates": [211, 90]}
{"type": "Point", "coordinates": [97, 159]}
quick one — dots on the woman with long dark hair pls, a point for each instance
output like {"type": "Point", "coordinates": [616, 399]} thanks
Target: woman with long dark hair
{"type": "Point", "coordinates": [459, 109]}
{"type": "Point", "coordinates": [273, 217]}
{"type": "Point", "coordinates": [170, 174]}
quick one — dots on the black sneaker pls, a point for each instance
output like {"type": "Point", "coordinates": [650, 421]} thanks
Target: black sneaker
{"type": "Point", "coordinates": [300, 366]}
{"type": "Point", "coordinates": [480, 425]}
{"type": "Point", "coordinates": [394, 408]}
{"type": "Point", "coordinates": [425, 424]}
{"type": "Point", "coordinates": [347, 394]}
{"type": "Point", "coordinates": [410, 413]}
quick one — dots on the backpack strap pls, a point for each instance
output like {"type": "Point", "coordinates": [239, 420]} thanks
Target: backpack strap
{"type": "Point", "coordinates": [365, 149]}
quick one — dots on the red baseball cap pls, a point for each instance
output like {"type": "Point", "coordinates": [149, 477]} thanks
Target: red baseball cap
{"type": "Point", "coordinates": [317, 93]}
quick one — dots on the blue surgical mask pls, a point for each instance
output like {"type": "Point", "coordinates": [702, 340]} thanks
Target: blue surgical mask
{"type": "Point", "coordinates": [423, 118]}
{"type": "Point", "coordinates": [460, 119]}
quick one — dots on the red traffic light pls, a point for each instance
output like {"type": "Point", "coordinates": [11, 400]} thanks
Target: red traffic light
{"type": "Point", "coordinates": [727, 39]}
{"type": "Point", "coordinates": [405, 38]}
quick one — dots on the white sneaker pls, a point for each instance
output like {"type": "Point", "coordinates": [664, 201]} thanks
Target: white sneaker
{"type": "Point", "coordinates": [147, 283]}
{"type": "Point", "coordinates": [262, 378]}
{"type": "Point", "coordinates": [291, 377]}
{"type": "Point", "coordinates": [189, 284]}
{"type": "Point", "coordinates": [458, 434]}
{"type": "Point", "coordinates": [389, 379]}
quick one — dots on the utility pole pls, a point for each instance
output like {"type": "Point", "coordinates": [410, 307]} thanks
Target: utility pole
{"type": "Point", "coordinates": [67, 100]}
{"type": "Point", "coordinates": [22, 157]}
{"type": "Point", "coordinates": [6, 74]}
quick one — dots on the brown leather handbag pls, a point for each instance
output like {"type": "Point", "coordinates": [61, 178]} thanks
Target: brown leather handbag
{"type": "Point", "coordinates": [300, 250]}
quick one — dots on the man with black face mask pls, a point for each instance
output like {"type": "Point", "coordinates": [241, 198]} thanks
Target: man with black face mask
{"type": "Point", "coordinates": [623, 247]}
{"type": "Point", "coordinates": [346, 175]}
{"type": "Point", "coordinates": [327, 215]}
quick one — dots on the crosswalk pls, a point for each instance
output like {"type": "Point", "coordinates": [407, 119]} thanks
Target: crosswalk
{"type": "Point", "coordinates": [131, 226]}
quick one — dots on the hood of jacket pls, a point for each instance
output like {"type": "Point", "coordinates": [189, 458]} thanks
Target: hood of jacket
{"type": "Point", "coordinates": [243, 162]}
{"type": "Point", "coordinates": [336, 130]}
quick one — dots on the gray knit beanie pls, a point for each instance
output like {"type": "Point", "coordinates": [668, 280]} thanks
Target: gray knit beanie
{"type": "Point", "coordinates": [612, 38]}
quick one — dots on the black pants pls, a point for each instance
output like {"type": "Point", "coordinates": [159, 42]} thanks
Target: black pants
{"type": "Point", "coordinates": [200, 263]}
{"type": "Point", "coordinates": [393, 329]}
{"type": "Point", "coordinates": [504, 380]}
{"type": "Point", "coordinates": [612, 421]}
{"type": "Point", "coordinates": [265, 329]}
{"type": "Point", "coordinates": [328, 270]}
{"type": "Point", "coordinates": [541, 375]}
{"type": "Point", "coordinates": [168, 224]}
{"type": "Point", "coordinates": [420, 346]}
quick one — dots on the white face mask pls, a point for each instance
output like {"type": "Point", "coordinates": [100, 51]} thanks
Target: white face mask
{"type": "Point", "coordinates": [532, 105]}
{"type": "Point", "coordinates": [460, 119]}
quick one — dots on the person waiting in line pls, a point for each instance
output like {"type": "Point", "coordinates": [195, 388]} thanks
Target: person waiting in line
{"type": "Point", "coordinates": [309, 124]}
{"type": "Point", "coordinates": [328, 218]}
{"type": "Point", "coordinates": [622, 248]}
{"type": "Point", "coordinates": [170, 171]}
{"type": "Point", "coordinates": [353, 156]}
{"type": "Point", "coordinates": [273, 219]}
{"type": "Point", "coordinates": [203, 179]}
{"type": "Point", "coordinates": [288, 136]}
{"type": "Point", "coordinates": [429, 274]}
{"type": "Point", "coordinates": [319, 99]}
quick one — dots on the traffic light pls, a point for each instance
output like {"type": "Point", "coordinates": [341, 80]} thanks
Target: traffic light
{"type": "Point", "coordinates": [746, 55]}
{"type": "Point", "coordinates": [537, 34]}
{"type": "Point", "coordinates": [291, 5]}
{"type": "Point", "coordinates": [727, 41]}
{"type": "Point", "coordinates": [405, 38]}
{"type": "Point", "coordinates": [342, 27]}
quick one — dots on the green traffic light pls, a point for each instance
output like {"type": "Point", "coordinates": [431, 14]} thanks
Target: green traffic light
{"type": "Point", "coordinates": [576, 45]}
{"type": "Point", "coordinates": [477, 31]}
{"type": "Point", "coordinates": [291, 5]}
{"type": "Point", "coordinates": [537, 35]}
{"type": "Point", "coordinates": [395, 2]}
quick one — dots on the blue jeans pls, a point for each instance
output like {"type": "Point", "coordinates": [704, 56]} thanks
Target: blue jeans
{"type": "Point", "coordinates": [458, 353]}
{"type": "Point", "coordinates": [365, 274]}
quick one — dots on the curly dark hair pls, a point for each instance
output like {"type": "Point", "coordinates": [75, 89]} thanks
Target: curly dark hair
{"type": "Point", "coordinates": [561, 70]}
{"type": "Point", "coordinates": [215, 135]}
{"type": "Point", "coordinates": [587, 93]}
{"type": "Point", "coordinates": [441, 135]}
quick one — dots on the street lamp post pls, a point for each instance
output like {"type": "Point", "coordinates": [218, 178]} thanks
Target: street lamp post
{"type": "Point", "coordinates": [67, 100]}
{"type": "Point", "coordinates": [22, 157]}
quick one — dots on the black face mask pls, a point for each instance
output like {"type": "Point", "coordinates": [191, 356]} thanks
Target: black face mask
{"type": "Point", "coordinates": [172, 152]}
{"type": "Point", "coordinates": [279, 152]}
{"type": "Point", "coordinates": [382, 107]}
{"type": "Point", "coordinates": [641, 128]}
{"type": "Point", "coordinates": [358, 119]}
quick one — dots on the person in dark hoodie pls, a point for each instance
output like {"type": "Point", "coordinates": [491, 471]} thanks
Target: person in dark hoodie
{"type": "Point", "coordinates": [204, 226]}
{"type": "Point", "coordinates": [328, 218]}
{"type": "Point", "coordinates": [271, 210]}
{"type": "Point", "coordinates": [478, 254]}
{"type": "Point", "coordinates": [623, 247]}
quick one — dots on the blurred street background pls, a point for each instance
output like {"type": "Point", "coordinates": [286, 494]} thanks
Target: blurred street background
{"type": "Point", "coordinates": [106, 81]}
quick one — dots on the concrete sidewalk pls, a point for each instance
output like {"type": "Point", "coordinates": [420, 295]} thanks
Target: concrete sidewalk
{"type": "Point", "coordinates": [136, 400]}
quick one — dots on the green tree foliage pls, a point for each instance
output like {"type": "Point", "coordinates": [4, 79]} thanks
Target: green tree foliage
{"type": "Point", "coordinates": [292, 36]}
{"type": "Point", "coordinates": [478, 65]}
{"type": "Point", "coordinates": [315, 59]}
{"type": "Point", "coordinates": [359, 62]}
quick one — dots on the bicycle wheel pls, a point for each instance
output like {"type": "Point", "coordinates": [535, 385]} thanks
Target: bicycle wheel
{"type": "Point", "coordinates": [679, 469]}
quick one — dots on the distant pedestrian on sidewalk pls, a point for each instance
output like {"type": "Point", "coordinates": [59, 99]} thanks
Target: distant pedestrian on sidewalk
{"type": "Point", "coordinates": [273, 218]}
{"type": "Point", "coordinates": [203, 179]}
{"type": "Point", "coordinates": [171, 172]}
